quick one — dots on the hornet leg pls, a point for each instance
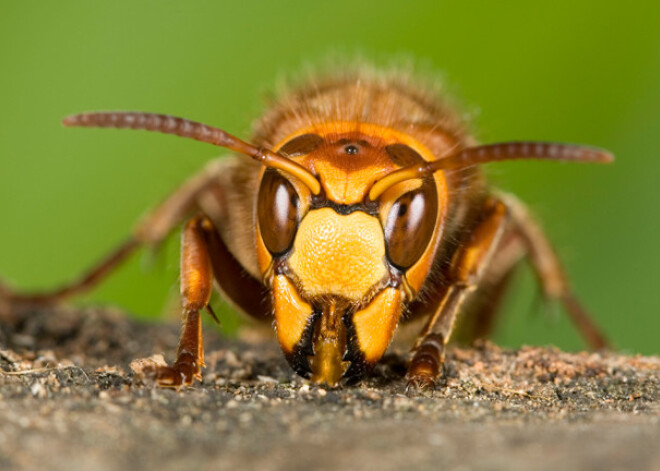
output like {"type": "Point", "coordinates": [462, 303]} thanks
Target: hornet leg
{"type": "Point", "coordinates": [152, 230]}
{"type": "Point", "coordinates": [196, 288]}
{"type": "Point", "coordinates": [550, 272]}
{"type": "Point", "coordinates": [468, 266]}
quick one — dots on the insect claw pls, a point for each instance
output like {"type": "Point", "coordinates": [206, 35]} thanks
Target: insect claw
{"type": "Point", "coordinates": [209, 309]}
{"type": "Point", "coordinates": [420, 385]}
{"type": "Point", "coordinates": [181, 374]}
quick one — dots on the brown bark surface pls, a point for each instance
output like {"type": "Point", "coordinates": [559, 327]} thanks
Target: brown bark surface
{"type": "Point", "coordinates": [70, 401]}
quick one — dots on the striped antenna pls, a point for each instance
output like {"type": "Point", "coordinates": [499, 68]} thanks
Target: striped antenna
{"type": "Point", "coordinates": [492, 153]}
{"type": "Point", "coordinates": [192, 130]}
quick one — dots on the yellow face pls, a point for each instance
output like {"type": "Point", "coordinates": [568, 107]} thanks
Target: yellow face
{"type": "Point", "coordinates": [340, 266]}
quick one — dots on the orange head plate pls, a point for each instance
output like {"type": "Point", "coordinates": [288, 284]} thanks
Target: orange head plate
{"type": "Point", "coordinates": [341, 266]}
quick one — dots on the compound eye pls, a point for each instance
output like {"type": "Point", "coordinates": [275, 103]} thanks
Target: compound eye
{"type": "Point", "coordinates": [278, 211]}
{"type": "Point", "coordinates": [410, 225]}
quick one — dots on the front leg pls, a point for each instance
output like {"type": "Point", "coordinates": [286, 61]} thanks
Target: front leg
{"type": "Point", "coordinates": [467, 267]}
{"type": "Point", "coordinates": [196, 287]}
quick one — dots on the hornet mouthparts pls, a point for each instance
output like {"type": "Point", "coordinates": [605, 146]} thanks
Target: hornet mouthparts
{"type": "Point", "coordinates": [327, 351]}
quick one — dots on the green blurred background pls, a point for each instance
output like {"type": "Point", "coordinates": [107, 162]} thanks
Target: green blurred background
{"type": "Point", "coordinates": [586, 72]}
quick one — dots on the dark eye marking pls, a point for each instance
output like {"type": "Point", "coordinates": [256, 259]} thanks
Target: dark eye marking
{"type": "Point", "coordinates": [301, 145]}
{"type": "Point", "coordinates": [403, 155]}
